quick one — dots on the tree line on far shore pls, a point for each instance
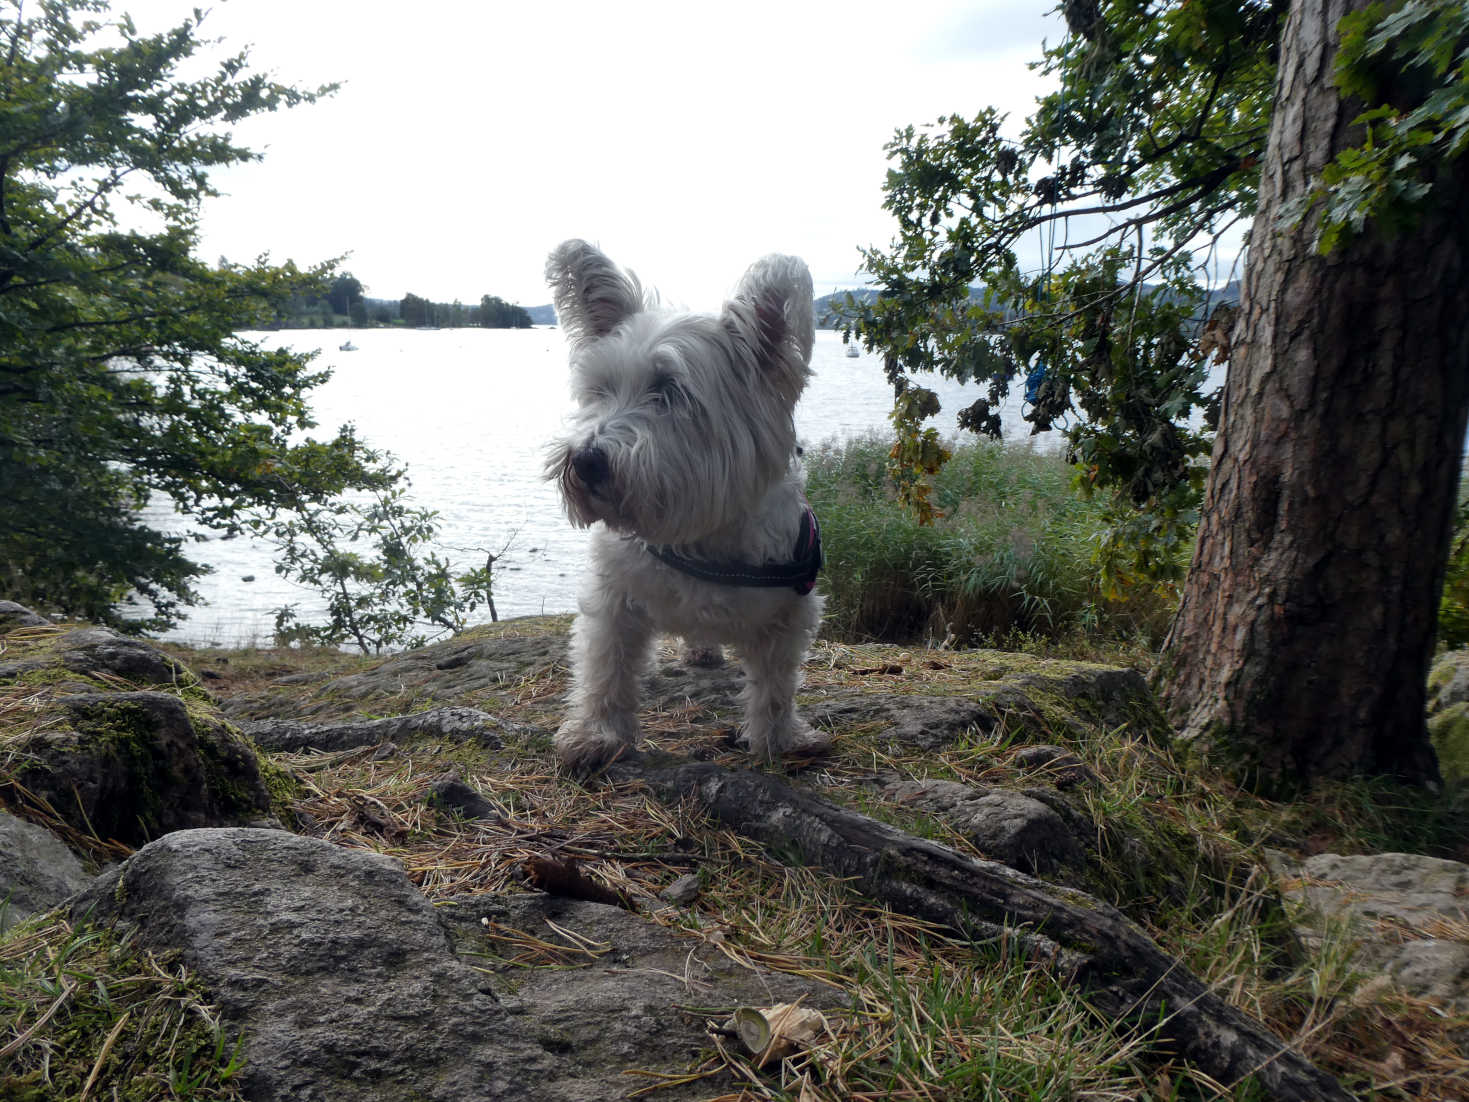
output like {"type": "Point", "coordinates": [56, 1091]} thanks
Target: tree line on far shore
{"type": "Point", "coordinates": [344, 304]}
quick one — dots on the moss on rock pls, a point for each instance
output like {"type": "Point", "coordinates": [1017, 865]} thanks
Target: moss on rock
{"type": "Point", "coordinates": [1449, 732]}
{"type": "Point", "coordinates": [120, 741]}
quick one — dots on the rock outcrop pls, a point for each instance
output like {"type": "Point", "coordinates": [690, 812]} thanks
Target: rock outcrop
{"type": "Point", "coordinates": [1448, 714]}
{"type": "Point", "coordinates": [37, 871]}
{"type": "Point", "coordinates": [458, 724]}
{"type": "Point", "coordinates": [132, 766]}
{"type": "Point", "coordinates": [13, 616]}
{"type": "Point", "coordinates": [453, 672]}
{"type": "Point", "coordinates": [438, 974]}
{"type": "Point", "coordinates": [1398, 907]}
{"type": "Point", "coordinates": [346, 984]}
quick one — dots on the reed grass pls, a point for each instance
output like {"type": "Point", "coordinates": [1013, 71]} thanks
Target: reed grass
{"type": "Point", "coordinates": [1011, 558]}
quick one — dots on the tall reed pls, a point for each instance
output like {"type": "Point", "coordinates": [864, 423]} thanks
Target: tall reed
{"type": "Point", "coordinates": [1012, 555]}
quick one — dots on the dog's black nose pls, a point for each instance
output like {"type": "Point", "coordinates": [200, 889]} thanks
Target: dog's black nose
{"type": "Point", "coordinates": [591, 466]}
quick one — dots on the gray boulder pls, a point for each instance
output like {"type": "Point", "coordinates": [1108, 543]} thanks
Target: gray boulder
{"type": "Point", "coordinates": [1399, 906]}
{"type": "Point", "coordinates": [101, 650]}
{"type": "Point", "coordinates": [1105, 696]}
{"type": "Point", "coordinates": [1051, 763]}
{"type": "Point", "coordinates": [14, 616]}
{"type": "Point", "coordinates": [925, 722]}
{"type": "Point", "coordinates": [1448, 681]}
{"type": "Point", "coordinates": [37, 871]}
{"type": "Point", "coordinates": [97, 656]}
{"type": "Point", "coordinates": [346, 984]}
{"type": "Point", "coordinates": [1406, 887]}
{"type": "Point", "coordinates": [135, 765]}
{"type": "Point", "coordinates": [1010, 827]}
{"type": "Point", "coordinates": [1448, 713]}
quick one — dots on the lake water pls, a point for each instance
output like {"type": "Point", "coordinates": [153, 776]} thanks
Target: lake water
{"type": "Point", "coordinates": [470, 412]}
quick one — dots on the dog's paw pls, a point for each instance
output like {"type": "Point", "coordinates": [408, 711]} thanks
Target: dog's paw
{"type": "Point", "coordinates": [583, 747]}
{"type": "Point", "coordinates": [806, 740]}
{"type": "Point", "coordinates": [800, 740]}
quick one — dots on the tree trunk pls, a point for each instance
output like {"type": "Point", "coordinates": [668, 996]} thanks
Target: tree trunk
{"type": "Point", "coordinates": [1302, 643]}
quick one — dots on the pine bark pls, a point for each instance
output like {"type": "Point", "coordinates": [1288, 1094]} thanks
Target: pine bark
{"type": "Point", "coordinates": [1302, 643]}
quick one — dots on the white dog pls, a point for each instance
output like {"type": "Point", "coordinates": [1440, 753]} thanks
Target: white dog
{"type": "Point", "coordinates": [682, 455]}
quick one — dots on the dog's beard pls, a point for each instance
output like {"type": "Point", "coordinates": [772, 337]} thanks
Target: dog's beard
{"type": "Point", "coordinates": [675, 476]}
{"type": "Point", "coordinates": [671, 506]}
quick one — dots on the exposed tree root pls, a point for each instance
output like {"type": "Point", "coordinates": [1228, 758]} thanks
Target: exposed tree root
{"type": "Point", "coordinates": [1086, 942]}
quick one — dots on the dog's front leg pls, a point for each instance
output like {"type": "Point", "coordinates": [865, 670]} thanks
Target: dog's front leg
{"type": "Point", "coordinates": [609, 651]}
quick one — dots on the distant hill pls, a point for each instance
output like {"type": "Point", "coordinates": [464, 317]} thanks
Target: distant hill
{"type": "Point", "coordinates": [827, 306]}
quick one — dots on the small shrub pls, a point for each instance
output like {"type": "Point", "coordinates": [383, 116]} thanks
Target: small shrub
{"type": "Point", "coordinates": [1014, 551]}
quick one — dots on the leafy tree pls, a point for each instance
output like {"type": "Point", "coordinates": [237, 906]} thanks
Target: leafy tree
{"type": "Point", "coordinates": [1146, 153]}
{"type": "Point", "coordinates": [415, 311]}
{"type": "Point", "coordinates": [368, 555]}
{"type": "Point", "coordinates": [496, 313]}
{"type": "Point", "coordinates": [345, 294]}
{"type": "Point", "coordinates": [1152, 147]}
{"type": "Point", "coordinates": [1302, 643]}
{"type": "Point", "coordinates": [121, 377]}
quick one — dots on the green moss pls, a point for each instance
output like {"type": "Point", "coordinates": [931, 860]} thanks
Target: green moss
{"type": "Point", "coordinates": [1439, 676]}
{"type": "Point", "coordinates": [49, 676]}
{"type": "Point", "coordinates": [228, 770]}
{"type": "Point", "coordinates": [121, 729]}
{"type": "Point", "coordinates": [281, 785]}
{"type": "Point", "coordinates": [1449, 733]}
{"type": "Point", "coordinates": [123, 734]}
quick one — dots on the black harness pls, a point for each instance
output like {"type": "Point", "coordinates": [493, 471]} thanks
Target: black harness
{"type": "Point", "coordinates": [799, 573]}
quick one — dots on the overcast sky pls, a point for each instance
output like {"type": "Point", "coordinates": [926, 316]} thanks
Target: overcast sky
{"type": "Point", "coordinates": [687, 139]}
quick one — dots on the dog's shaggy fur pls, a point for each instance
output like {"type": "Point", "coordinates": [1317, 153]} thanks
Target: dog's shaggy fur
{"type": "Point", "coordinates": [683, 440]}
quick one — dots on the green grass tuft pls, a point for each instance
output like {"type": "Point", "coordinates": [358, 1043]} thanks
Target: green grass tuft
{"type": "Point", "coordinates": [86, 1014]}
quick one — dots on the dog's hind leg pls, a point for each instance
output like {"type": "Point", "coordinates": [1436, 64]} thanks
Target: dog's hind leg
{"type": "Point", "coordinates": [609, 651]}
{"type": "Point", "coordinates": [772, 676]}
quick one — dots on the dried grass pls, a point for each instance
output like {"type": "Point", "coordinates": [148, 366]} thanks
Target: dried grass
{"type": "Point", "coordinates": [929, 1017]}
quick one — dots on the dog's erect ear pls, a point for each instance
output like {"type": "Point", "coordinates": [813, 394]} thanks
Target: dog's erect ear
{"type": "Point", "coordinates": [592, 295]}
{"type": "Point", "coordinates": [772, 311]}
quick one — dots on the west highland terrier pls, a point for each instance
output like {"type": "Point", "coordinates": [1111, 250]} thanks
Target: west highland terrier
{"type": "Point", "coordinates": [682, 457]}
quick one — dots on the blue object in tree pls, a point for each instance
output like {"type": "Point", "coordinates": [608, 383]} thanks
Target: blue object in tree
{"type": "Point", "coordinates": [1033, 382]}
